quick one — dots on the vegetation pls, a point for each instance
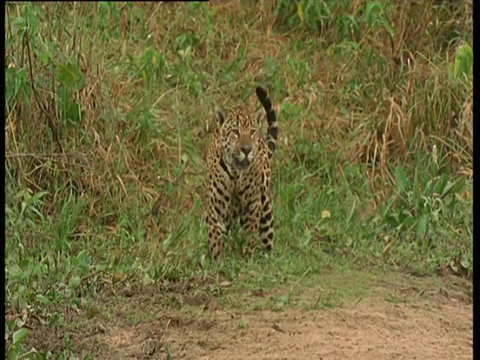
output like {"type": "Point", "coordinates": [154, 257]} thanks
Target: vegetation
{"type": "Point", "coordinates": [109, 113]}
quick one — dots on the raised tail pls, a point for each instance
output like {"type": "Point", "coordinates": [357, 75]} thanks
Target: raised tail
{"type": "Point", "coordinates": [272, 132]}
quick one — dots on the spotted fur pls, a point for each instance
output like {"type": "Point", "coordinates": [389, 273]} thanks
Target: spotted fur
{"type": "Point", "coordinates": [238, 181]}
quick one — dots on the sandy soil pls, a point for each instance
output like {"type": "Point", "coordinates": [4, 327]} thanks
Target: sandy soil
{"type": "Point", "coordinates": [365, 332]}
{"type": "Point", "coordinates": [437, 326]}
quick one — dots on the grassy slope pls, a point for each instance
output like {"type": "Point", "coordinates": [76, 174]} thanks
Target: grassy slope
{"type": "Point", "coordinates": [357, 184]}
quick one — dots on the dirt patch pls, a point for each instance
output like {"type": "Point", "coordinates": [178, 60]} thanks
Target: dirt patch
{"type": "Point", "coordinates": [375, 330]}
{"type": "Point", "coordinates": [424, 324]}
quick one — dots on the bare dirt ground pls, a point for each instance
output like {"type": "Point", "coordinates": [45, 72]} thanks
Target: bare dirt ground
{"type": "Point", "coordinates": [417, 323]}
{"type": "Point", "coordinates": [366, 332]}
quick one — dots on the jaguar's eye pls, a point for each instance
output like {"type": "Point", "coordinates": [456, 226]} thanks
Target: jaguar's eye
{"type": "Point", "coordinates": [252, 132]}
{"type": "Point", "coordinates": [236, 133]}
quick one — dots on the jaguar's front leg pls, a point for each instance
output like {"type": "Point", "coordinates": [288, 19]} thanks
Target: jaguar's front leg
{"type": "Point", "coordinates": [218, 217]}
{"type": "Point", "coordinates": [216, 233]}
{"type": "Point", "coordinates": [250, 222]}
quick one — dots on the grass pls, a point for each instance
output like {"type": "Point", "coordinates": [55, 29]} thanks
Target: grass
{"type": "Point", "coordinates": [108, 115]}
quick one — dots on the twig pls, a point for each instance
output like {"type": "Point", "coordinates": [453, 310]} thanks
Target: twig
{"type": "Point", "coordinates": [278, 328]}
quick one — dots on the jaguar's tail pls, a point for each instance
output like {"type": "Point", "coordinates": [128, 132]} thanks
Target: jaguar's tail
{"type": "Point", "coordinates": [272, 132]}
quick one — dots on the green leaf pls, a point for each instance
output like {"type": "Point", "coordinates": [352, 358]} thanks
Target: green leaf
{"type": "Point", "coordinates": [15, 81]}
{"type": "Point", "coordinates": [388, 27]}
{"type": "Point", "coordinates": [74, 282]}
{"type": "Point", "coordinates": [32, 20]}
{"type": "Point", "coordinates": [41, 356]}
{"type": "Point", "coordinates": [401, 178]}
{"type": "Point", "coordinates": [441, 184]}
{"type": "Point", "coordinates": [344, 111]}
{"type": "Point", "coordinates": [35, 198]}
{"type": "Point", "coordinates": [436, 215]}
{"type": "Point", "coordinates": [372, 11]}
{"type": "Point", "coordinates": [39, 12]}
{"type": "Point", "coordinates": [13, 353]}
{"type": "Point", "coordinates": [103, 8]}
{"type": "Point", "coordinates": [422, 226]}
{"type": "Point", "coordinates": [77, 302]}
{"type": "Point", "coordinates": [74, 113]}
{"type": "Point", "coordinates": [463, 60]}
{"type": "Point", "coordinates": [19, 336]}
{"type": "Point", "coordinates": [43, 299]}
{"type": "Point", "coordinates": [300, 13]}
{"type": "Point", "coordinates": [453, 187]}
{"type": "Point", "coordinates": [71, 77]}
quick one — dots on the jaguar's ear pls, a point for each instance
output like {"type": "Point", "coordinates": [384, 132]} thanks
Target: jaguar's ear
{"type": "Point", "coordinates": [220, 113]}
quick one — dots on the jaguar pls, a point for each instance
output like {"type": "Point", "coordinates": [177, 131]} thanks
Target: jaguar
{"type": "Point", "coordinates": [238, 179]}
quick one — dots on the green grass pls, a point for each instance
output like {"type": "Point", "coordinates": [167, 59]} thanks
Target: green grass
{"type": "Point", "coordinates": [109, 112]}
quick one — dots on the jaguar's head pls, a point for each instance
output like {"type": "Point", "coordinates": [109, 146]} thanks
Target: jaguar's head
{"type": "Point", "coordinates": [239, 135]}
